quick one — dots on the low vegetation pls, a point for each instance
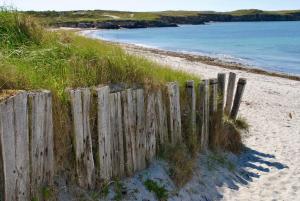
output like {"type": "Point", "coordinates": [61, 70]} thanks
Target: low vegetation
{"type": "Point", "coordinates": [160, 192]}
{"type": "Point", "coordinates": [33, 58]}
{"type": "Point", "coordinates": [118, 190]}
{"type": "Point", "coordinates": [181, 163]}
{"type": "Point", "coordinates": [54, 17]}
{"type": "Point", "coordinates": [231, 138]}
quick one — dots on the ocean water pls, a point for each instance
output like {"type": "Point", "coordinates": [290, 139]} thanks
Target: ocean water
{"type": "Point", "coordinates": [273, 46]}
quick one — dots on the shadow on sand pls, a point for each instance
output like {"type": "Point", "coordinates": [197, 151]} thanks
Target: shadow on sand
{"type": "Point", "coordinates": [233, 171]}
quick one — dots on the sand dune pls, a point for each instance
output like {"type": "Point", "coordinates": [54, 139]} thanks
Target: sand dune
{"type": "Point", "coordinates": [270, 168]}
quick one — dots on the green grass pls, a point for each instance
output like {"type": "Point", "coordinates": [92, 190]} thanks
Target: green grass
{"type": "Point", "coordinates": [242, 124]}
{"type": "Point", "coordinates": [33, 58]}
{"type": "Point", "coordinates": [118, 190]}
{"type": "Point", "coordinates": [53, 17]}
{"type": "Point", "coordinates": [160, 192]}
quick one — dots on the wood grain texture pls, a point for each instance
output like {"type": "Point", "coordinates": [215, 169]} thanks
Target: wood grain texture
{"type": "Point", "coordinates": [118, 168]}
{"type": "Point", "coordinates": [190, 107]}
{"type": "Point", "coordinates": [105, 136]}
{"type": "Point", "coordinates": [151, 128]}
{"type": "Point", "coordinates": [230, 92]}
{"type": "Point", "coordinates": [174, 114]}
{"type": "Point", "coordinates": [80, 102]}
{"type": "Point", "coordinates": [238, 97]}
{"type": "Point", "coordinates": [41, 141]}
{"type": "Point", "coordinates": [140, 130]}
{"type": "Point", "coordinates": [162, 121]}
{"type": "Point", "coordinates": [204, 114]}
{"type": "Point", "coordinates": [213, 111]}
{"type": "Point", "coordinates": [129, 131]}
{"type": "Point", "coordinates": [14, 139]}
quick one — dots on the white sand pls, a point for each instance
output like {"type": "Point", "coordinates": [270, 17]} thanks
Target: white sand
{"type": "Point", "coordinates": [270, 169]}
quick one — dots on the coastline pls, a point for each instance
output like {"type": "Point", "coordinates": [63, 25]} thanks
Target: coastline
{"type": "Point", "coordinates": [231, 65]}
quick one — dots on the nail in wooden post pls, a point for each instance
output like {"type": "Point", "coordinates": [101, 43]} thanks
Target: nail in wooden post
{"type": "Point", "coordinates": [204, 114]}
{"type": "Point", "coordinates": [238, 98]}
{"type": "Point", "coordinates": [191, 106]}
{"type": "Point", "coordinates": [174, 113]}
{"type": "Point", "coordinates": [230, 92]}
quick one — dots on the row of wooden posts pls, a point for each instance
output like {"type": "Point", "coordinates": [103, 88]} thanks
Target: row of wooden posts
{"type": "Point", "coordinates": [132, 124]}
{"type": "Point", "coordinates": [26, 145]}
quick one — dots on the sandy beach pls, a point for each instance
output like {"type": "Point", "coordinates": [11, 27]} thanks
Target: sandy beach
{"type": "Point", "coordinates": [270, 168]}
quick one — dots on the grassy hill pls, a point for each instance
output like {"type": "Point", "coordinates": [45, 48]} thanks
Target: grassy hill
{"type": "Point", "coordinates": [32, 57]}
{"type": "Point", "coordinates": [53, 17]}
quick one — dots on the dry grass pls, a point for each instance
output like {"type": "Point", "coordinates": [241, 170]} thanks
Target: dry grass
{"type": "Point", "coordinates": [181, 163]}
{"type": "Point", "coordinates": [231, 139]}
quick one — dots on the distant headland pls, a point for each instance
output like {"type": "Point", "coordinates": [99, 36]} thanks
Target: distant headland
{"type": "Point", "coordinates": [102, 19]}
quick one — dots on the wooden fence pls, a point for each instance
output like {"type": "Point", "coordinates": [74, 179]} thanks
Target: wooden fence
{"type": "Point", "coordinates": [26, 142]}
{"type": "Point", "coordinates": [131, 126]}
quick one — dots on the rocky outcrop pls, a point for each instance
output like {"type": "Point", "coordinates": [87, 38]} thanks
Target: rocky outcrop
{"type": "Point", "coordinates": [118, 24]}
{"type": "Point", "coordinates": [173, 21]}
{"type": "Point", "coordinates": [216, 17]}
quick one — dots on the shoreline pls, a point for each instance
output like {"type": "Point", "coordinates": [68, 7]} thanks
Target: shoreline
{"type": "Point", "coordinates": [231, 65]}
{"type": "Point", "coordinates": [272, 107]}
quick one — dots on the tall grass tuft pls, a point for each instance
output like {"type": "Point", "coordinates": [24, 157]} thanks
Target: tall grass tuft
{"type": "Point", "coordinates": [17, 29]}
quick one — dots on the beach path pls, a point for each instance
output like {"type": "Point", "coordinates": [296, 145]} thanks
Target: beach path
{"type": "Point", "coordinates": [272, 107]}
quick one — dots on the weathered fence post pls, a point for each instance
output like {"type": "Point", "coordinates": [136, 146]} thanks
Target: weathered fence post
{"type": "Point", "coordinates": [221, 92]}
{"type": "Point", "coordinates": [14, 140]}
{"type": "Point", "coordinates": [213, 96]}
{"type": "Point", "coordinates": [104, 133]}
{"type": "Point", "coordinates": [80, 102]}
{"type": "Point", "coordinates": [41, 141]}
{"type": "Point", "coordinates": [230, 91]}
{"type": "Point", "coordinates": [174, 113]}
{"type": "Point", "coordinates": [129, 125]}
{"type": "Point", "coordinates": [204, 114]}
{"type": "Point", "coordinates": [191, 106]}
{"type": "Point", "coordinates": [140, 130]}
{"type": "Point", "coordinates": [213, 110]}
{"type": "Point", "coordinates": [26, 145]}
{"type": "Point", "coordinates": [162, 123]}
{"type": "Point", "coordinates": [118, 164]}
{"type": "Point", "coordinates": [151, 127]}
{"type": "Point", "coordinates": [238, 98]}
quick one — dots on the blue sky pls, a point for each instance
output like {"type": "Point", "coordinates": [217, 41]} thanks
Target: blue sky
{"type": "Point", "coordinates": [152, 5]}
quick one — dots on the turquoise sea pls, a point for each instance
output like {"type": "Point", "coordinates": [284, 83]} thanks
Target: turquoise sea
{"type": "Point", "coordinates": [273, 46]}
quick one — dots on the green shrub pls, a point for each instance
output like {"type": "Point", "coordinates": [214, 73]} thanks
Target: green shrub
{"type": "Point", "coordinates": [160, 192]}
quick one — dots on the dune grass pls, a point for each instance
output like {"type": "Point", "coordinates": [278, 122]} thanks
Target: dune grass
{"type": "Point", "coordinates": [33, 58]}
